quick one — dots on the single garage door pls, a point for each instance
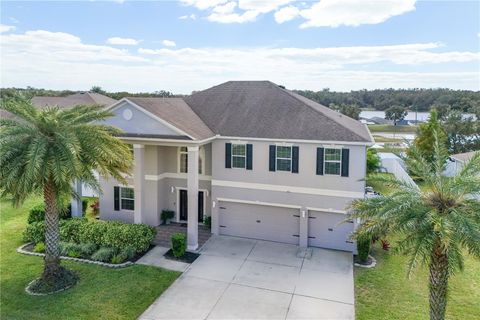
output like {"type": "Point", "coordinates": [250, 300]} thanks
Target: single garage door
{"type": "Point", "coordinates": [259, 222]}
{"type": "Point", "coordinates": [325, 230]}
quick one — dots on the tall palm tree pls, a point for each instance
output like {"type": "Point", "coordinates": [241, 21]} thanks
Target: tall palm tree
{"type": "Point", "coordinates": [434, 225]}
{"type": "Point", "coordinates": [43, 151]}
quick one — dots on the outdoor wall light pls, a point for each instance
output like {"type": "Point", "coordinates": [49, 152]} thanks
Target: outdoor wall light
{"type": "Point", "coordinates": [213, 204]}
{"type": "Point", "coordinates": [172, 189]}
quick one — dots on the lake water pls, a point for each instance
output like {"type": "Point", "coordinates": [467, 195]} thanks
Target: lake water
{"type": "Point", "coordinates": [412, 115]}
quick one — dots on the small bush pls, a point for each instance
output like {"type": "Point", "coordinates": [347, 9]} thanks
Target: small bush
{"type": "Point", "coordinates": [37, 213]}
{"type": "Point", "coordinates": [179, 244]}
{"type": "Point", "coordinates": [39, 247]}
{"type": "Point", "coordinates": [166, 215]}
{"type": "Point", "coordinates": [207, 221]}
{"type": "Point", "coordinates": [128, 252]}
{"type": "Point", "coordinates": [70, 249]}
{"type": "Point", "coordinates": [34, 232]}
{"type": "Point", "coordinates": [70, 230]}
{"type": "Point", "coordinates": [118, 258]}
{"type": "Point", "coordinates": [363, 247]}
{"type": "Point", "coordinates": [74, 254]}
{"type": "Point", "coordinates": [103, 254]}
{"type": "Point", "coordinates": [88, 249]}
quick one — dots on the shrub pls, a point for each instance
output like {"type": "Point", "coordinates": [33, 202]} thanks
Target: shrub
{"type": "Point", "coordinates": [179, 244]}
{"type": "Point", "coordinates": [363, 247]}
{"type": "Point", "coordinates": [39, 247]}
{"type": "Point", "coordinates": [95, 207]}
{"type": "Point", "coordinates": [166, 215]}
{"type": "Point", "coordinates": [129, 252]}
{"type": "Point", "coordinates": [88, 249]}
{"type": "Point", "coordinates": [103, 254]}
{"type": "Point", "coordinates": [118, 258]}
{"type": "Point", "coordinates": [34, 232]}
{"type": "Point", "coordinates": [74, 254]}
{"type": "Point", "coordinates": [70, 249]}
{"type": "Point", "coordinates": [37, 213]}
{"type": "Point", "coordinates": [110, 234]}
{"type": "Point", "coordinates": [207, 221]}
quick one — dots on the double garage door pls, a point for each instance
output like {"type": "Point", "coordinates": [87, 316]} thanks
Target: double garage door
{"type": "Point", "coordinates": [283, 225]}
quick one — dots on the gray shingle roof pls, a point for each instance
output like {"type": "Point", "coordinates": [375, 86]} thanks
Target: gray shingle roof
{"type": "Point", "coordinates": [81, 98]}
{"type": "Point", "coordinates": [176, 112]}
{"type": "Point", "coordinates": [261, 109]}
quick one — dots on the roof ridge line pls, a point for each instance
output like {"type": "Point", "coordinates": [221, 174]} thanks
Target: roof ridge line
{"type": "Point", "coordinates": [286, 91]}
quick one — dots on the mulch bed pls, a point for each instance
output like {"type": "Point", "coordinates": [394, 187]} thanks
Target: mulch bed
{"type": "Point", "coordinates": [188, 257]}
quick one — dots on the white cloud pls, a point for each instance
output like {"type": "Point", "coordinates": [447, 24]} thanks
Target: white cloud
{"type": "Point", "coordinates": [186, 17]}
{"type": "Point", "coordinates": [14, 20]}
{"type": "Point", "coordinates": [6, 28]}
{"type": "Point", "coordinates": [169, 43]}
{"type": "Point", "coordinates": [203, 4]}
{"type": "Point", "coordinates": [247, 16]}
{"type": "Point", "coordinates": [40, 58]}
{"type": "Point", "coordinates": [122, 41]}
{"type": "Point", "coordinates": [226, 8]}
{"type": "Point", "coordinates": [286, 14]}
{"type": "Point", "coordinates": [334, 13]}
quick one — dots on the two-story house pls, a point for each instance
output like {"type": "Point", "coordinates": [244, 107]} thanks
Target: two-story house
{"type": "Point", "coordinates": [262, 161]}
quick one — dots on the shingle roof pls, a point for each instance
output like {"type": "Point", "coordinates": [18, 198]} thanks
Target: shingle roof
{"type": "Point", "coordinates": [176, 112]}
{"type": "Point", "coordinates": [81, 98]}
{"type": "Point", "coordinates": [463, 157]}
{"type": "Point", "coordinates": [262, 109]}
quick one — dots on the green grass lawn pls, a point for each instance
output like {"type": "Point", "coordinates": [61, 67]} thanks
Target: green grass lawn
{"type": "Point", "coordinates": [391, 128]}
{"type": "Point", "coordinates": [101, 293]}
{"type": "Point", "coordinates": [384, 292]}
{"type": "Point", "coordinates": [385, 139]}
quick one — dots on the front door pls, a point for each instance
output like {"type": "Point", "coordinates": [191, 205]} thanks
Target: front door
{"type": "Point", "coordinates": [184, 205]}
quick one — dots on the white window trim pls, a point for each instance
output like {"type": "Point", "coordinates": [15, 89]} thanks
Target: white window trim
{"type": "Point", "coordinates": [291, 157]}
{"type": "Point", "coordinates": [245, 156]}
{"type": "Point", "coordinates": [120, 197]}
{"type": "Point", "coordinates": [332, 161]}
{"type": "Point", "coordinates": [201, 156]}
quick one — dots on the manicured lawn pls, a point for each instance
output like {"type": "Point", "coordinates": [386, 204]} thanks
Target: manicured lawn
{"type": "Point", "coordinates": [384, 292]}
{"type": "Point", "coordinates": [385, 139]}
{"type": "Point", "coordinates": [391, 128]}
{"type": "Point", "coordinates": [100, 294]}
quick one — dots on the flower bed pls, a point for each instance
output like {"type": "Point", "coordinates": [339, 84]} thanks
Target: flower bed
{"type": "Point", "coordinates": [107, 242]}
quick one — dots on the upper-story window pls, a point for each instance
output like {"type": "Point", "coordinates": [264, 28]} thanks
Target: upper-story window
{"type": "Point", "coordinates": [333, 161]}
{"type": "Point", "coordinates": [183, 160]}
{"type": "Point", "coordinates": [239, 155]}
{"type": "Point", "coordinates": [284, 158]}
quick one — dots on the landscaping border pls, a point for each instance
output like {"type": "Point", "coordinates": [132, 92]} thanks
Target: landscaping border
{"type": "Point", "coordinates": [30, 292]}
{"type": "Point", "coordinates": [22, 250]}
{"type": "Point", "coordinates": [367, 266]}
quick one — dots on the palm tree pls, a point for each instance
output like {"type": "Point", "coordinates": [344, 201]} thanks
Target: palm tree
{"type": "Point", "coordinates": [434, 225]}
{"type": "Point", "coordinates": [43, 151]}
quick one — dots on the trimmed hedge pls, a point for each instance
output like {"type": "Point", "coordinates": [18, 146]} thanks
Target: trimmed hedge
{"type": "Point", "coordinates": [179, 244]}
{"type": "Point", "coordinates": [37, 213]}
{"type": "Point", "coordinates": [113, 234]}
{"type": "Point", "coordinates": [363, 247]}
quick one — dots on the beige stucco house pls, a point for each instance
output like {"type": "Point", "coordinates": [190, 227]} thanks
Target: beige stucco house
{"type": "Point", "coordinates": [262, 161]}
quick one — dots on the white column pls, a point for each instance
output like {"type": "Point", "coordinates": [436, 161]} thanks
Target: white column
{"type": "Point", "coordinates": [139, 181]}
{"type": "Point", "coordinates": [192, 186]}
{"type": "Point", "coordinates": [76, 203]}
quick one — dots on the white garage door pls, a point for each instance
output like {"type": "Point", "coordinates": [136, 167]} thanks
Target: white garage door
{"type": "Point", "coordinates": [325, 230]}
{"type": "Point", "coordinates": [259, 222]}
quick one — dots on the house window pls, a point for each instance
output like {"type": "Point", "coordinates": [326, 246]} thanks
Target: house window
{"type": "Point", "coordinates": [183, 160]}
{"type": "Point", "coordinates": [127, 199]}
{"type": "Point", "coordinates": [333, 161]}
{"type": "Point", "coordinates": [239, 156]}
{"type": "Point", "coordinates": [284, 158]}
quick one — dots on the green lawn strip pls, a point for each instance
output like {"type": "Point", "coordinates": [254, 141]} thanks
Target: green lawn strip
{"type": "Point", "coordinates": [385, 139]}
{"type": "Point", "coordinates": [101, 293]}
{"type": "Point", "coordinates": [391, 128]}
{"type": "Point", "coordinates": [384, 292]}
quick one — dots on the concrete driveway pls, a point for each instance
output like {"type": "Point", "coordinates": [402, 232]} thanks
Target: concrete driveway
{"type": "Point", "coordinates": [237, 278]}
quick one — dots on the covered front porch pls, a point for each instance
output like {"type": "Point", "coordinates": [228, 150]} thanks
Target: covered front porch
{"type": "Point", "coordinates": [165, 232]}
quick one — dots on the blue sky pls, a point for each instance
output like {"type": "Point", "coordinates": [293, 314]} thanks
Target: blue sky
{"type": "Point", "coordinates": [193, 44]}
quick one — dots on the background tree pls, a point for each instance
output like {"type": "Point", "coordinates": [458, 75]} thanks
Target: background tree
{"type": "Point", "coordinates": [434, 225]}
{"type": "Point", "coordinates": [424, 141]}
{"type": "Point", "coordinates": [395, 113]}
{"type": "Point", "coordinates": [97, 89]}
{"type": "Point", "coordinates": [373, 161]}
{"type": "Point", "coordinates": [350, 110]}
{"type": "Point", "coordinates": [43, 151]}
{"type": "Point", "coordinates": [463, 133]}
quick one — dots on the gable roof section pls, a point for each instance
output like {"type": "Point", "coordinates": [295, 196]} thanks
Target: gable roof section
{"type": "Point", "coordinates": [177, 113]}
{"type": "Point", "coordinates": [81, 98]}
{"type": "Point", "coordinates": [464, 157]}
{"type": "Point", "coordinates": [261, 109]}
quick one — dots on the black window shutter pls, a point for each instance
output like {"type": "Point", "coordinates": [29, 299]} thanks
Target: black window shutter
{"type": "Point", "coordinates": [228, 155]}
{"type": "Point", "coordinates": [116, 198]}
{"type": "Point", "coordinates": [345, 162]}
{"type": "Point", "coordinates": [320, 161]}
{"type": "Point", "coordinates": [272, 158]}
{"type": "Point", "coordinates": [295, 159]}
{"type": "Point", "coordinates": [249, 157]}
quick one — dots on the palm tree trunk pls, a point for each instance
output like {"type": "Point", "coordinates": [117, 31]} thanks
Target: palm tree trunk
{"type": "Point", "coordinates": [438, 283]}
{"type": "Point", "coordinates": [52, 269]}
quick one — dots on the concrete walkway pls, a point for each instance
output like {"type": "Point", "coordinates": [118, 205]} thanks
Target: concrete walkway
{"type": "Point", "coordinates": [155, 258]}
{"type": "Point", "coordinates": [237, 278]}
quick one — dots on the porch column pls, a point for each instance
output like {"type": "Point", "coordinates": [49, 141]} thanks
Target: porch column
{"type": "Point", "coordinates": [76, 203]}
{"type": "Point", "coordinates": [139, 181]}
{"type": "Point", "coordinates": [303, 241]}
{"type": "Point", "coordinates": [192, 187]}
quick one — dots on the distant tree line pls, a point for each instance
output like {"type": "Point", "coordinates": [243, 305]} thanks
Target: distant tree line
{"type": "Point", "coordinates": [411, 99]}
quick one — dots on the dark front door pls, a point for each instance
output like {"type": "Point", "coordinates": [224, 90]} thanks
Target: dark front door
{"type": "Point", "coordinates": [184, 205]}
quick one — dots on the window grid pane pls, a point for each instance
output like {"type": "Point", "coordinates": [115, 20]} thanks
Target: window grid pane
{"type": "Point", "coordinates": [128, 204]}
{"type": "Point", "coordinates": [332, 154]}
{"type": "Point", "coordinates": [284, 152]}
{"type": "Point", "coordinates": [238, 150]}
{"type": "Point", "coordinates": [238, 162]}
{"type": "Point", "coordinates": [284, 165]}
{"type": "Point", "coordinates": [183, 163]}
{"type": "Point", "coordinates": [127, 193]}
{"type": "Point", "coordinates": [332, 168]}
